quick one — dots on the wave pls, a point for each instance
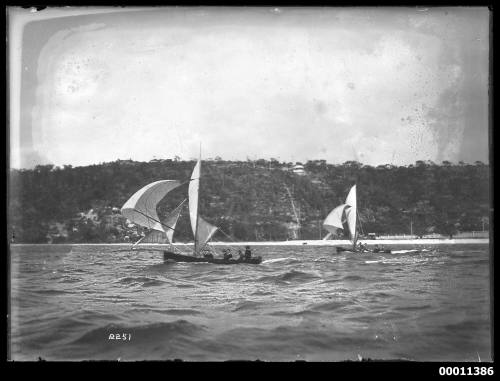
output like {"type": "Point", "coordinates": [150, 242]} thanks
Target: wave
{"type": "Point", "coordinates": [305, 312]}
{"type": "Point", "coordinates": [51, 292]}
{"type": "Point", "coordinates": [144, 281]}
{"type": "Point", "coordinates": [353, 277]}
{"type": "Point", "coordinates": [262, 293]}
{"type": "Point", "coordinates": [293, 275]}
{"type": "Point", "coordinates": [328, 306]}
{"type": "Point", "coordinates": [185, 285]}
{"type": "Point", "coordinates": [170, 311]}
{"type": "Point", "coordinates": [246, 305]}
{"type": "Point", "coordinates": [413, 308]}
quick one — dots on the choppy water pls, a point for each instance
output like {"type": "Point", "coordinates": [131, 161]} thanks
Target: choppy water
{"type": "Point", "coordinates": [301, 303]}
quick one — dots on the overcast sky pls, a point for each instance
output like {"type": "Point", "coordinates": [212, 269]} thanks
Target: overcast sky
{"type": "Point", "coordinates": [385, 85]}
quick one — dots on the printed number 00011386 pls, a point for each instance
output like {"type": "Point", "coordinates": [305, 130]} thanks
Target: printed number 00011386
{"type": "Point", "coordinates": [466, 371]}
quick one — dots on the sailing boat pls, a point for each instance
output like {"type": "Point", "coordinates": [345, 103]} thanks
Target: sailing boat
{"type": "Point", "coordinates": [345, 215]}
{"type": "Point", "coordinates": [141, 209]}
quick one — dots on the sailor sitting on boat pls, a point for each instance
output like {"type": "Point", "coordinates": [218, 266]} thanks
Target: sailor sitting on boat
{"type": "Point", "coordinates": [248, 252]}
{"type": "Point", "coordinates": [380, 249]}
{"type": "Point", "coordinates": [362, 248]}
{"type": "Point", "coordinates": [226, 254]}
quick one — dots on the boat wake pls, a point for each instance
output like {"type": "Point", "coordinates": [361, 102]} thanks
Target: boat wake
{"type": "Point", "coordinates": [274, 260]}
{"type": "Point", "coordinates": [409, 251]}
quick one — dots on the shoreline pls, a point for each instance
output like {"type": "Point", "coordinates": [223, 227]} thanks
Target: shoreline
{"type": "Point", "coordinates": [369, 242]}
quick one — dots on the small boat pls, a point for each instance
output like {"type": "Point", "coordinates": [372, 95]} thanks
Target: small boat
{"type": "Point", "coordinates": [141, 210]}
{"type": "Point", "coordinates": [344, 217]}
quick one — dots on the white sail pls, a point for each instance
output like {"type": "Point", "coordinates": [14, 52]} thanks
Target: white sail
{"type": "Point", "coordinates": [141, 207]}
{"type": "Point", "coordinates": [351, 222]}
{"type": "Point", "coordinates": [155, 236]}
{"type": "Point", "coordinates": [351, 213]}
{"type": "Point", "coordinates": [204, 233]}
{"type": "Point", "coordinates": [194, 186]}
{"type": "Point", "coordinates": [171, 220]}
{"type": "Point", "coordinates": [334, 220]}
{"type": "Point", "coordinates": [202, 230]}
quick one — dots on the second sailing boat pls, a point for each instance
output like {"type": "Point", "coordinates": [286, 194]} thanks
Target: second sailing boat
{"type": "Point", "coordinates": [345, 215]}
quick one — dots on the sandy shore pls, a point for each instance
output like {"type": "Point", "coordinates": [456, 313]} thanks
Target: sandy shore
{"type": "Point", "coordinates": [459, 241]}
{"type": "Point", "coordinates": [368, 242]}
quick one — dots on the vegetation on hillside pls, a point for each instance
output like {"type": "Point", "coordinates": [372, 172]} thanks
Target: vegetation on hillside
{"type": "Point", "coordinates": [248, 200]}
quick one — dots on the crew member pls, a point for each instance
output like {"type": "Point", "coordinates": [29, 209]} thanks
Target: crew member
{"type": "Point", "coordinates": [227, 254]}
{"type": "Point", "coordinates": [248, 252]}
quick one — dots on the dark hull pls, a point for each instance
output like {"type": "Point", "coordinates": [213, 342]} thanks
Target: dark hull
{"type": "Point", "coordinates": [169, 256]}
{"type": "Point", "coordinates": [342, 250]}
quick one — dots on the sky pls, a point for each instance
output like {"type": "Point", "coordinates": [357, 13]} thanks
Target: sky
{"type": "Point", "coordinates": [376, 85]}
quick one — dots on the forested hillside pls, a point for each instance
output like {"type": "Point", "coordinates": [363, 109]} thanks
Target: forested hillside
{"type": "Point", "coordinates": [248, 200]}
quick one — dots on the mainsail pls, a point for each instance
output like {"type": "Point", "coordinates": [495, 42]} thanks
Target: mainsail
{"type": "Point", "coordinates": [343, 213]}
{"type": "Point", "coordinates": [141, 207]}
{"type": "Point", "coordinates": [202, 230]}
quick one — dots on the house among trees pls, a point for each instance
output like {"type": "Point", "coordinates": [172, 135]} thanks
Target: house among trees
{"type": "Point", "coordinates": [298, 169]}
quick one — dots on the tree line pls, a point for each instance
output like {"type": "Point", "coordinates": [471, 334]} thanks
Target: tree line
{"type": "Point", "coordinates": [248, 200]}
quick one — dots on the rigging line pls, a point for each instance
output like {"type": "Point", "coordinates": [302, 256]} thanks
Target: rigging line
{"type": "Point", "coordinates": [359, 221]}
{"type": "Point", "coordinates": [161, 223]}
{"type": "Point", "coordinates": [227, 235]}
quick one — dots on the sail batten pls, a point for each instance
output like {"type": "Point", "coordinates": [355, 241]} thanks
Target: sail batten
{"type": "Point", "coordinates": [141, 207]}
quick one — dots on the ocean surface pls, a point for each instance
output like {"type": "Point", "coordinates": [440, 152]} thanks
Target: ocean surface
{"type": "Point", "coordinates": [302, 303]}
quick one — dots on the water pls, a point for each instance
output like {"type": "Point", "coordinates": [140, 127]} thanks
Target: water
{"type": "Point", "coordinates": [301, 303]}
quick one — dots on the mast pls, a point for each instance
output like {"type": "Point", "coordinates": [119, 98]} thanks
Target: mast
{"type": "Point", "coordinates": [355, 238]}
{"type": "Point", "coordinates": [357, 220]}
{"type": "Point", "coordinates": [197, 208]}
{"type": "Point", "coordinates": [351, 214]}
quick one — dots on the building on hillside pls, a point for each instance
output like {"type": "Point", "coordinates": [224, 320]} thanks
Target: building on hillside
{"type": "Point", "coordinates": [298, 169]}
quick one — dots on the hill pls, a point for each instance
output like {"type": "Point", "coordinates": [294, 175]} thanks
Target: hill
{"type": "Point", "coordinates": [248, 200]}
